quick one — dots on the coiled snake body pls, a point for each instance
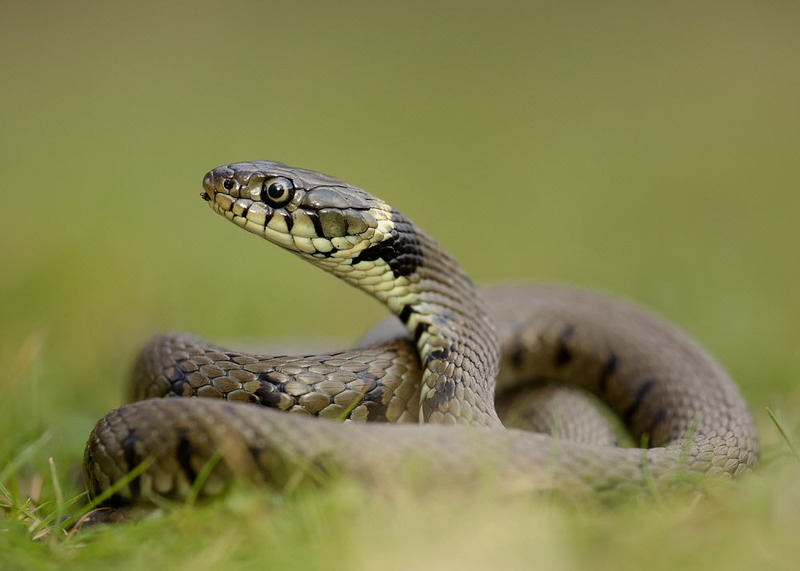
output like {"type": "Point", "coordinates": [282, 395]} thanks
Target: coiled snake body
{"type": "Point", "coordinates": [443, 370]}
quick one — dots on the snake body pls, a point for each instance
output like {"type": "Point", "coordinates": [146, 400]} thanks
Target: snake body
{"type": "Point", "coordinates": [442, 368]}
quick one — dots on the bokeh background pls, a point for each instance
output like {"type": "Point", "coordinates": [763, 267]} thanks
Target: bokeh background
{"type": "Point", "coordinates": [642, 147]}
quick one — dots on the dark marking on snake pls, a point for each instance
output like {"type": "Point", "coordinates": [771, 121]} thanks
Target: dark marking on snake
{"type": "Point", "coordinates": [183, 454]}
{"type": "Point", "coordinates": [660, 416]}
{"type": "Point", "coordinates": [609, 368]}
{"type": "Point", "coordinates": [314, 217]}
{"type": "Point", "coordinates": [563, 351]}
{"type": "Point", "coordinates": [516, 353]}
{"type": "Point", "coordinates": [174, 374]}
{"type": "Point", "coordinates": [405, 314]}
{"type": "Point", "coordinates": [447, 389]}
{"type": "Point", "coordinates": [419, 331]}
{"type": "Point", "coordinates": [641, 393]}
{"type": "Point", "coordinates": [427, 407]}
{"type": "Point", "coordinates": [179, 388]}
{"type": "Point", "coordinates": [387, 252]}
{"type": "Point", "coordinates": [255, 453]}
{"type": "Point", "coordinates": [287, 218]}
{"type": "Point", "coordinates": [438, 355]}
{"type": "Point", "coordinates": [401, 250]}
{"type": "Point", "coordinates": [378, 395]}
{"type": "Point", "coordinates": [129, 449]}
{"type": "Point", "coordinates": [268, 394]}
{"type": "Point", "coordinates": [411, 258]}
{"type": "Point", "coordinates": [375, 411]}
{"type": "Point", "coordinates": [132, 459]}
{"type": "Point", "coordinates": [443, 393]}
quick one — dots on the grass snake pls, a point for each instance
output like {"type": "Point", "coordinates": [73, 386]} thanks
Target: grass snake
{"type": "Point", "coordinates": [454, 347]}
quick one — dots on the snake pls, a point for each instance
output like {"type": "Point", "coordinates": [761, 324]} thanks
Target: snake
{"type": "Point", "coordinates": [418, 399]}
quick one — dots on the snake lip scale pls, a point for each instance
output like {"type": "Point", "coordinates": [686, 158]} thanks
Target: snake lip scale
{"type": "Point", "coordinates": [434, 380]}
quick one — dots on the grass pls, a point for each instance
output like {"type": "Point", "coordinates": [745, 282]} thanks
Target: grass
{"type": "Point", "coordinates": [645, 148]}
{"type": "Point", "coordinates": [738, 525]}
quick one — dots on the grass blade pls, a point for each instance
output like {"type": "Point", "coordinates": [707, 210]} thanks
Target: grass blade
{"type": "Point", "coordinates": [783, 433]}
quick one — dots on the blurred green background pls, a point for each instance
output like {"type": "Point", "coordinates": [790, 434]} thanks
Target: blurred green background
{"type": "Point", "coordinates": [646, 148]}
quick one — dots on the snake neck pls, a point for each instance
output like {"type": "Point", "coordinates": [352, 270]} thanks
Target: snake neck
{"type": "Point", "coordinates": [457, 342]}
{"type": "Point", "coordinates": [444, 313]}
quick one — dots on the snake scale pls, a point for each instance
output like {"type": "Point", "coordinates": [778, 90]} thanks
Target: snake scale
{"type": "Point", "coordinates": [440, 368]}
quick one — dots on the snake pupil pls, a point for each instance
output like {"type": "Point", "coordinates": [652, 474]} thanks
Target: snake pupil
{"type": "Point", "coordinates": [276, 190]}
{"type": "Point", "coordinates": [228, 184]}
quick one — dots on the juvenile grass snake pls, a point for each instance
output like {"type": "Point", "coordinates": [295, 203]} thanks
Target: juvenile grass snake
{"type": "Point", "coordinates": [432, 381]}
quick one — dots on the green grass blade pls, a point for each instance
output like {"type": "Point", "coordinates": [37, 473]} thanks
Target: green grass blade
{"type": "Point", "coordinates": [202, 476]}
{"type": "Point", "coordinates": [99, 500]}
{"type": "Point", "coordinates": [783, 433]}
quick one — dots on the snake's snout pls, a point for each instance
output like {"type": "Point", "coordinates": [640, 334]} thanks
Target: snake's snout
{"type": "Point", "coordinates": [208, 186]}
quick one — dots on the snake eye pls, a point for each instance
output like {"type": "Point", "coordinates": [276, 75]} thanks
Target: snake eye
{"type": "Point", "coordinates": [228, 184]}
{"type": "Point", "coordinates": [277, 191]}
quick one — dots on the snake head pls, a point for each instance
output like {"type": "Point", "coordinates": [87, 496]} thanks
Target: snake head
{"type": "Point", "coordinates": [306, 212]}
{"type": "Point", "coordinates": [337, 226]}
